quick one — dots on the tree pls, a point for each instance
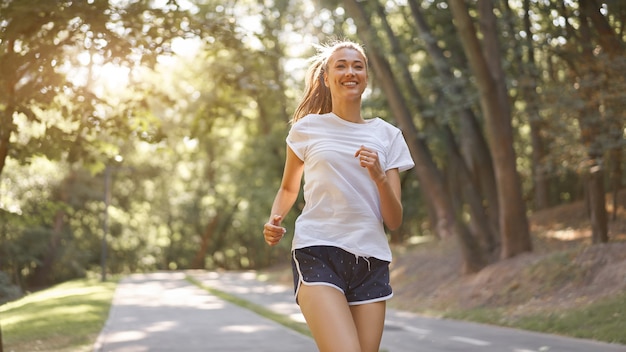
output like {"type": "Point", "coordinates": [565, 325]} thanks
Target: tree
{"type": "Point", "coordinates": [592, 54]}
{"type": "Point", "coordinates": [473, 146]}
{"type": "Point", "coordinates": [528, 72]}
{"type": "Point", "coordinates": [611, 102]}
{"type": "Point", "coordinates": [39, 41]}
{"type": "Point", "coordinates": [39, 44]}
{"type": "Point", "coordinates": [486, 66]}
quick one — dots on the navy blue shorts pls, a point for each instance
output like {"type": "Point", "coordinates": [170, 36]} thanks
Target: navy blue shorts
{"type": "Point", "coordinates": [361, 279]}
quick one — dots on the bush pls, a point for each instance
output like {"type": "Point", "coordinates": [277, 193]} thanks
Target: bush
{"type": "Point", "coordinates": [8, 291]}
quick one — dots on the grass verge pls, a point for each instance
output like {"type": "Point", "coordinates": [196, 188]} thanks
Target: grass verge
{"type": "Point", "coordinates": [601, 321]}
{"type": "Point", "coordinates": [66, 317]}
{"type": "Point", "coordinates": [260, 310]}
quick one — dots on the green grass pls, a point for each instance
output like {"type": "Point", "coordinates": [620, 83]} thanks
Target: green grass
{"type": "Point", "coordinates": [260, 310]}
{"type": "Point", "coordinates": [601, 321]}
{"type": "Point", "coordinates": [66, 317]}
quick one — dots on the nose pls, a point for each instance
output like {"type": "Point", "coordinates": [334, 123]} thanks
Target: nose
{"type": "Point", "coordinates": [350, 71]}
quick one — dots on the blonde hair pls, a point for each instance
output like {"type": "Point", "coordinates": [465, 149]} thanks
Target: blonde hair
{"type": "Point", "coordinates": [316, 98]}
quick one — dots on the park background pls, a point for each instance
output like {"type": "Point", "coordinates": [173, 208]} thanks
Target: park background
{"type": "Point", "coordinates": [144, 135]}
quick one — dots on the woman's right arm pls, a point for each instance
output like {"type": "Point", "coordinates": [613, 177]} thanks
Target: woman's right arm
{"type": "Point", "coordinates": [285, 198]}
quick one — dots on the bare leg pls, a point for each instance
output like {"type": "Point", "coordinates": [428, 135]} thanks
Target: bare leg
{"type": "Point", "coordinates": [329, 318]}
{"type": "Point", "coordinates": [370, 321]}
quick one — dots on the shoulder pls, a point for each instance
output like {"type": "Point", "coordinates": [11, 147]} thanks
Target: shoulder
{"type": "Point", "coordinates": [385, 127]}
{"type": "Point", "coordinates": [310, 121]}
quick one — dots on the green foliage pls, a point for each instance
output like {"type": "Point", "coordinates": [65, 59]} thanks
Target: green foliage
{"type": "Point", "coordinates": [8, 291]}
{"type": "Point", "coordinates": [57, 59]}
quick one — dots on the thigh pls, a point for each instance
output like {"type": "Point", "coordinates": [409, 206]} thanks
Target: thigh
{"type": "Point", "coordinates": [329, 318]}
{"type": "Point", "coordinates": [369, 320]}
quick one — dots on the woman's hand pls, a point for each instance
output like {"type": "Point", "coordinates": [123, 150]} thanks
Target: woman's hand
{"type": "Point", "coordinates": [369, 159]}
{"type": "Point", "coordinates": [272, 231]}
{"type": "Point", "coordinates": [388, 185]}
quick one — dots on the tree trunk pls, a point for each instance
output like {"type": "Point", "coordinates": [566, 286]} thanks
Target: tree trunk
{"type": "Point", "coordinates": [479, 223]}
{"type": "Point", "coordinates": [513, 220]}
{"type": "Point", "coordinates": [590, 122]}
{"type": "Point", "coordinates": [198, 261]}
{"type": "Point", "coordinates": [615, 177]}
{"type": "Point", "coordinates": [472, 144]}
{"type": "Point", "coordinates": [6, 124]}
{"type": "Point", "coordinates": [590, 129]}
{"type": "Point", "coordinates": [475, 151]}
{"type": "Point", "coordinates": [597, 205]}
{"type": "Point", "coordinates": [615, 115]}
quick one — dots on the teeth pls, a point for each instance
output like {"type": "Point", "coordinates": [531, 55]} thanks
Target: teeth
{"type": "Point", "coordinates": [349, 84]}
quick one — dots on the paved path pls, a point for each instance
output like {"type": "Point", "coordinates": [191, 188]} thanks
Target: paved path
{"type": "Point", "coordinates": [164, 312]}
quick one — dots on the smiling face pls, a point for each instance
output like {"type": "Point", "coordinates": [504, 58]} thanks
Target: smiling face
{"type": "Point", "coordinates": [346, 74]}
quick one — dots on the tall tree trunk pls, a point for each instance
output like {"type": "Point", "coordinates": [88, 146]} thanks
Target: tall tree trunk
{"type": "Point", "coordinates": [594, 181]}
{"type": "Point", "coordinates": [429, 176]}
{"type": "Point", "coordinates": [513, 220]}
{"type": "Point", "coordinates": [472, 143]}
{"type": "Point", "coordinates": [615, 115]}
{"type": "Point", "coordinates": [591, 128]}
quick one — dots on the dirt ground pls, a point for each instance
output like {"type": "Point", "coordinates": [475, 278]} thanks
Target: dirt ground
{"type": "Point", "coordinates": [563, 271]}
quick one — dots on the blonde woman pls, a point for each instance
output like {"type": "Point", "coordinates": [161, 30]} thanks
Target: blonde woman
{"type": "Point", "coordinates": [351, 166]}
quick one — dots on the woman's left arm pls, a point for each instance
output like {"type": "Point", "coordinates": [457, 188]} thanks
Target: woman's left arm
{"type": "Point", "coordinates": [388, 185]}
{"type": "Point", "coordinates": [390, 198]}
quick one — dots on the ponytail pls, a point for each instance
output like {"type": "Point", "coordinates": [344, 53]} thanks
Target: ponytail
{"type": "Point", "coordinates": [316, 98]}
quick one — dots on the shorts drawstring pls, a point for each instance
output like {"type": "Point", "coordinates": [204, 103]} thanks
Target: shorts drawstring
{"type": "Point", "coordinates": [369, 265]}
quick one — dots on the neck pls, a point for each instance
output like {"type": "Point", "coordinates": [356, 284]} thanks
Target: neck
{"type": "Point", "coordinates": [350, 111]}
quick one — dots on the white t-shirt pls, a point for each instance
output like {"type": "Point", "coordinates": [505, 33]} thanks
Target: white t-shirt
{"type": "Point", "coordinates": [342, 204]}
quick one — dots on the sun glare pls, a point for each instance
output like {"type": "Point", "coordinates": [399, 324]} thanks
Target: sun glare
{"type": "Point", "coordinates": [103, 78]}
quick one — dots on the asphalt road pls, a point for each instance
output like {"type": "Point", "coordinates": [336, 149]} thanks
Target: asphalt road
{"type": "Point", "coordinates": [164, 312]}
